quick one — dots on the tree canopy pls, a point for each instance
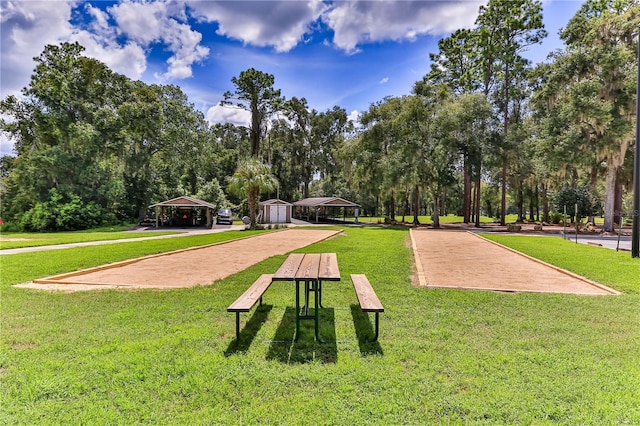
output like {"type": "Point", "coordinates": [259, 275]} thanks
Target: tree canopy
{"type": "Point", "coordinates": [484, 132]}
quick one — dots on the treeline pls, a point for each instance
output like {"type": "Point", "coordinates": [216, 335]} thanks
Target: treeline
{"type": "Point", "coordinates": [484, 132]}
{"type": "Point", "coordinates": [94, 147]}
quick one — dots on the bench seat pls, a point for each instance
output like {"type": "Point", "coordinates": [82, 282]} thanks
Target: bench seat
{"type": "Point", "coordinates": [367, 298]}
{"type": "Point", "coordinates": [249, 298]}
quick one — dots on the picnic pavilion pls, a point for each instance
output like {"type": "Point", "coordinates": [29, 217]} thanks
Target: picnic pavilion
{"type": "Point", "coordinates": [325, 208]}
{"type": "Point", "coordinates": [184, 211]}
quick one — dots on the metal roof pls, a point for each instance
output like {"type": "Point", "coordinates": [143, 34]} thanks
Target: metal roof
{"type": "Point", "coordinates": [184, 201]}
{"type": "Point", "coordinates": [325, 202]}
{"type": "Point", "coordinates": [275, 201]}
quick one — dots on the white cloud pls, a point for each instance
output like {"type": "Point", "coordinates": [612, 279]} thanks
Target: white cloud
{"type": "Point", "coordinates": [281, 24]}
{"type": "Point", "coordinates": [354, 116]}
{"type": "Point", "coordinates": [384, 80]}
{"type": "Point", "coordinates": [360, 21]}
{"type": "Point", "coordinates": [129, 59]}
{"type": "Point", "coordinates": [26, 28]}
{"type": "Point", "coordinates": [162, 23]}
{"type": "Point", "coordinates": [228, 114]}
{"type": "Point", "coordinates": [6, 145]}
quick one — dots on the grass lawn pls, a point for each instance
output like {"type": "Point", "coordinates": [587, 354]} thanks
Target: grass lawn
{"type": "Point", "coordinates": [33, 239]}
{"type": "Point", "coordinates": [444, 356]}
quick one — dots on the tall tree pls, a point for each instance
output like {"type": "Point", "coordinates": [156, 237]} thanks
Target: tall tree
{"type": "Point", "coordinates": [64, 131]}
{"type": "Point", "coordinates": [586, 98]}
{"type": "Point", "coordinates": [98, 139]}
{"type": "Point", "coordinates": [602, 38]}
{"type": "Point", "coordinates": [506, 28]}
{"type": "Point", "coordinates": [466, 127]}
{"type": "Point", "coordinates": [254, 92]}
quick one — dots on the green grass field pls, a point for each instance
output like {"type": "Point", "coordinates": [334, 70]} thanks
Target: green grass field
{"type": "Point", "coordinates": [48, 238]}
{"type": "Point", "coordinates": [444, 356]}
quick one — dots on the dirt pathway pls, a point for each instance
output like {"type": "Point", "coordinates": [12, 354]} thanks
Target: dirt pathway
{"type": "Point", "coordinates": [459, 259]}
{"type": "Point", "coordinates": [186, 268]}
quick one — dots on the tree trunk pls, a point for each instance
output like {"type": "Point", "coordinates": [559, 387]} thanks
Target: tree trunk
{"type": "Point", "coordinates": [503, 201]}
{"type": "Point", "coordinates": [392, 208]}
{"type": "Point", "coordinates": [545, 204]}
{"type": "Point", "coordinates": [520, 204]}
{"type": "Point", "coordinates": [474, 190]}
{"type": "Point", "coordinates": [479, 186]}
{"type": "Point", "coordinates": [252, 202]}
{"type": "Point", "coordinates": [617, 203]}
{"type": "Point", "coordinates": [416, 206]}
{"type": "Point", "coordinates": [610, 195]}
{"type": "Point", "coordinates": [466, 208]}
{"type": "Point", "coordinates": [405, 208]}
{"type": "Point", "coordinates": [536, 204]}
{"type": "Point", "coordinates": [436, 209]}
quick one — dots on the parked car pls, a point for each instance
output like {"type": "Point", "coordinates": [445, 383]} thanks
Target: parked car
{"type": "Point", "coordinates": [224, 216]}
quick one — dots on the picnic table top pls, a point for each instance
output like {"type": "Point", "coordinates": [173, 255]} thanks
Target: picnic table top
{"type": "Point", "coordinates": [311, 266]}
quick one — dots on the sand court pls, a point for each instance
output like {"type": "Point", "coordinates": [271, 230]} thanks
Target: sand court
{"type": "Point", "coordinates": [187, 268]}
{"type": "Point", "coordinates": [443, 258]}
{"type": "Point", "coordinates": [460, 259]}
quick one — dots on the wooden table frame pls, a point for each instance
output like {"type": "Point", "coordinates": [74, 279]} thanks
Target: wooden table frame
{"type": "Point", "coordinates": [312, 270]}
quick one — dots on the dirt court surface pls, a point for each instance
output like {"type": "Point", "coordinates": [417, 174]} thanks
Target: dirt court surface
{"type": "Point", "coordinates": [186, 268]}
{"type": "Point", "coordinates": [459, 259]}
{"type": "Point", "coordinates": [443, 258]}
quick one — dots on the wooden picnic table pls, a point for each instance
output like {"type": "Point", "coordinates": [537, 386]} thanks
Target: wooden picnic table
{"type": "Point", "coordinates": [311, 270]}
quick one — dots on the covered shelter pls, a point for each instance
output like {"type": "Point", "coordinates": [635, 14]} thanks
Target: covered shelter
{"type": "Point", "coordinates": [184, 211]}
{"type": "Point", "coordinates": [324, 206]}
{"type": "Point", "coordinates": [275, 211]}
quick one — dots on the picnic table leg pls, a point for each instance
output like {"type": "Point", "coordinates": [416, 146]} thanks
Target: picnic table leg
{"type": "Point", "coordinates": [238, 326]}
{"type": "Point", "coordinates": [377, 328]}
{"type": "Point", "coordinates": [317, 315]}
{"type": "Point", "coordinates": [319, 293]}
{"type": "Point", "coordinates": [297, 310]}
{"type": "Point", "coordinates": [306, 297]}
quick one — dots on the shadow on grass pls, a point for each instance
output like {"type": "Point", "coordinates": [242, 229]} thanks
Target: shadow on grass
{"type": "Point", "coordinates": [249, 331]}
{"type": "Point", "coordinates": [283, 348]}
{"type": "Point", "coordinates": [365, 332]}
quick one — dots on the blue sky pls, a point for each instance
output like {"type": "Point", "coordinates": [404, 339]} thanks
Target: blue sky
{"type": "Point", "coordinates": [349, 53]}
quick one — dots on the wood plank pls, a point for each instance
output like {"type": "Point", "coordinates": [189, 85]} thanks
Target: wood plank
{"type": "Point", "coordinates": [287, 271]}
{"type": "Point", "coordinates": [367, 298]}
{"type": "Point", "coordinates": [329, 270]}
{"type": "Point", "coordinates": [245, 302]}
{"type": "Point", "coordinates": [309, 267]}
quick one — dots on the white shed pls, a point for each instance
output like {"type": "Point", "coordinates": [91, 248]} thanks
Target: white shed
{"type": "Point", "coordinates": [275, 211]}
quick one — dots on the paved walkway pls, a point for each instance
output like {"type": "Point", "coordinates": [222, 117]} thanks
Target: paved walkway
{"type": "Point", "coordinates": [182, 233]}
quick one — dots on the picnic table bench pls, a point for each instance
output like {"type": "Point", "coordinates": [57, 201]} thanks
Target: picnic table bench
{"type": "Point", "coordinates": [367, 299]}
{"type": "Point", "coordinates": [249, 298]}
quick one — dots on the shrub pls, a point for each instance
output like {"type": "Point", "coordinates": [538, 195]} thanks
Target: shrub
{"type": "Point", "coordinates": [60, 214]}
{"type": "Point", "coordinates": [555, 217]}
{"type": "Point", "coordinates": [10, 227]}
{"type": "Point", "coordinates": [585, 199]}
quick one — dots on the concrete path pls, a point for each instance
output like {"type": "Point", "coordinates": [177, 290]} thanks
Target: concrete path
{"type": "Point", "coordinates": [182, 233]}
